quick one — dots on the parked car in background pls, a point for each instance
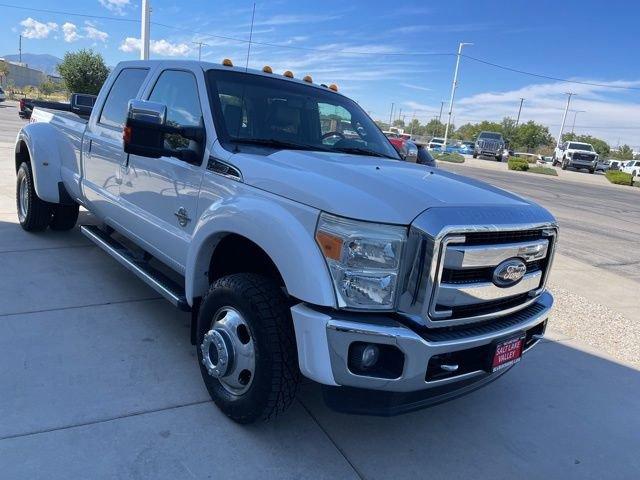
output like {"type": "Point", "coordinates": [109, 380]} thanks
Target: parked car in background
{"type": "Point", "coordinates": [466, 148]}
{"type": "Point", "coordinates": [425, 157]}
{"type": "Point", "coordinates": [602, 166]}
{"type": "Point", "coordinates": [3, 96]}
{"type": "Point", "coordinates": [615, 164]}
{"type": "Point", "coordinates": [632, 167]}
{"type": "Point", "coordinates": [577, 155]}
{"type": "Point", "coordinates": [435, 143]}
{"type": "Point", "coordinates": [490, 144]}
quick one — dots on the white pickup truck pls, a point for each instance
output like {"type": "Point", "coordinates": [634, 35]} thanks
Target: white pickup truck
{"type": "Point", "coordinates": [298, 249]}
{"type": "Point", "coordinates": [576, 155]}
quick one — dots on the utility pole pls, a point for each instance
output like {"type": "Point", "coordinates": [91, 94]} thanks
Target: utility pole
{"type": "Point", "coordinates": [200, 44]}
{"type": "Point", "coordinates": [391, 114]}
{"type": "Point", "coordinates": [20, 49]}
{"type": "Point", "coordinates": [564, 118]}
{"type": "Point", "coordinates": [413, 117]}
{"type": "Point", "coordinates": [145, 25]}
{"type": "Point", "coordinates": [575, 114]}
{"type": "Point", "coordinates": [399, 114]}
{"type": "Point", "coordinates": [519, 111]}
{"type": "Point", "coordinates": [440, 116]}
{"type": "Point", "coordinates": [453, 92]}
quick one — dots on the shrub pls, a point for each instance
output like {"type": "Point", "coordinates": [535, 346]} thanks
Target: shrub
{"type": "Point", "coordinates": [543, 170]}
{"type": "Point", "coordinates": [449, 157]}
{"type": "Point", "coordinates": [518, 165]}
{"type": "Point", "coordinates": [619, 178]}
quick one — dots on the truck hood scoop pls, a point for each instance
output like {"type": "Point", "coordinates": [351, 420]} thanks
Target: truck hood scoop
{"type": "Point", "coordinates": [366, 188]}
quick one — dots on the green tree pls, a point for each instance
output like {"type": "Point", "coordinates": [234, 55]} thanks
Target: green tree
{"type": "Point", "coordinates": [625, 152]}
{"type": "Point", "coordinates": [531, 135]}
{"type": "Point", "coordinates": [398, 123]}
{"type": "Point", "coordinates": [469, 131]}
{"type": "Point", "coordinates": [4, 71]}
{"type": "Point", "coordinates": [435, 128]}
{"type": "Point", "coordinates": [83, 71]}
{"type": "Point", "coordinates": [508, 128]}
{"type": "Point", "coordinates": [47, 88]}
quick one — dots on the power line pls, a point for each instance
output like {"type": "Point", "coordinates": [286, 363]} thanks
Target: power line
{"type": "Point", "coordinates": [547, 77]}
{"type": "Point", "coordinates": [72, 14]}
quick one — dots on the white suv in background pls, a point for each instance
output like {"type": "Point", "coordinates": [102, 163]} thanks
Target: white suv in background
{"type": "Point", "coordinates": [436, 143]}
{"type": "Point", "coordinates": [632, 167]}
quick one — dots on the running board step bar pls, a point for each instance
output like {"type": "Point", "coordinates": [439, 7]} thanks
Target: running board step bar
{"type": "Point", "coordinates": [142, 269]}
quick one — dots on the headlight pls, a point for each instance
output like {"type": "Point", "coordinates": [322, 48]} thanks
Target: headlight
{"type": "Point", "coordinates": [364, 260]}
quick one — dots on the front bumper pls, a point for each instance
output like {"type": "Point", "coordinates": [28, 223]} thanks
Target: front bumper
{"type": "Point", "coordinates": [325, 336]}
{"type": "Point", "coordinates": [576, 163]}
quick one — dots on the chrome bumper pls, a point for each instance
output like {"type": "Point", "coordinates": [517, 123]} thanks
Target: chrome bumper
{"type": "Point", "coordinates": [323, 340]}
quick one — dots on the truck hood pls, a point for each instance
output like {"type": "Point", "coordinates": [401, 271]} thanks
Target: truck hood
{"type": "Point", "coordinates": [365, 188]}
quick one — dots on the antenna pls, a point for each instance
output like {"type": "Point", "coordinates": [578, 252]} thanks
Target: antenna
{"type": "Point", "coordinates": [253, 15]}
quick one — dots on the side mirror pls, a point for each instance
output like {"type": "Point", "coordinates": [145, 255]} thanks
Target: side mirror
{"type": "Point", "coordinates": [82, 104]}
{"type": "Point", "coordinates": [146, 133]}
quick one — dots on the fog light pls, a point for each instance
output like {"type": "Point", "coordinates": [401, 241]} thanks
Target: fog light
{"type": "Point", "coordinates": [370, 355]}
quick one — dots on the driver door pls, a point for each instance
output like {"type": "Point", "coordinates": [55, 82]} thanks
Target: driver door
{"type": "Point", "coordinates": [160, 195]}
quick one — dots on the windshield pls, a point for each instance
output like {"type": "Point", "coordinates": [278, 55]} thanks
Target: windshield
{"type": "Point", "coordinates": [581, 146]}
{"type": "Point", "coordinates": [254, 110]}
{"type": "Point", "coordinates": [437, 140]}
{"type": "Point", "coordinates": [490, 136]}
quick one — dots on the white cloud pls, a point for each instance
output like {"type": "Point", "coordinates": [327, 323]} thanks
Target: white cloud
{"type": "Point", "coordinates": [115, 6]}
{"type": "Point", "coordinates": [94, 34]}
{"type": "Point", "coordinates": [70, 32]}
{"type": "Point", "coordinates": [415, 87]}
{"type": "Point", "coordinates": [160, 47]}
{"type": "Point", "coordinates": [611, 114]}
{"type": "Point", "coordinates": [293, 19]}
{"type": "Point", "coordinates": [37, 30]}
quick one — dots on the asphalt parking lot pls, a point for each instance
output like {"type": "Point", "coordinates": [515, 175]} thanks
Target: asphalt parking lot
{"type": "Point", "coordinates": [99, 380]}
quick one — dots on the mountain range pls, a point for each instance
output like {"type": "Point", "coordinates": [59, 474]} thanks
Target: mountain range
{"type": "Point", "coordinates": [39, 61]}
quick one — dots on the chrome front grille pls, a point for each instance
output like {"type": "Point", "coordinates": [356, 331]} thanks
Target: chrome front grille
{"type": "Point", "coordinates": [457, 282]}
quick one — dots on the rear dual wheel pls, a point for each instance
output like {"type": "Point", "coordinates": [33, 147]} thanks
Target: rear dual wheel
{"type": "Point", "coordinates": [34, 214]}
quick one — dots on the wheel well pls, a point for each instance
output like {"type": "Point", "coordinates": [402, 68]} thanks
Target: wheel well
{"type": "Point", "coordinates": [22, 155]}
{"type": "Point", "coordinates": [237, 254]}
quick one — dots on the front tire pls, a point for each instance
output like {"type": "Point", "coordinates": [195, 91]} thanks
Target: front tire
{"type": "Point", "coordinates": [475, 155]}
{"type": "Point", "coordinates": [246, 347]}
{"type": "Point", "coordinates": [564, 164]}
{"type": "Point", "coordinates": [34, 214]}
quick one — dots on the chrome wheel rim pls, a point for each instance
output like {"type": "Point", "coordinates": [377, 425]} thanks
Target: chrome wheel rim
{"type": "Point", "coordinates": [228, 351]}
{"type": "Point", "coordinates": [23, 198]}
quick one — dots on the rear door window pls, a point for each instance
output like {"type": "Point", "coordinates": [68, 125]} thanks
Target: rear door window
{"type": "Point", "coordinates": [125, 88]}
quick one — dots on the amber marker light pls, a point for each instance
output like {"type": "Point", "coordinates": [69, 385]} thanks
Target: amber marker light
{"type": "Point", "coordinates": [288, 74]}
{"type": "Point", "coordinates": [227, 62]}
{"type": "Point", "coordinates": [330, 245]}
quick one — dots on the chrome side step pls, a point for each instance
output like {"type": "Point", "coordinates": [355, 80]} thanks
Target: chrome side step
{"type": "Point", "coordinates": [142, 269]}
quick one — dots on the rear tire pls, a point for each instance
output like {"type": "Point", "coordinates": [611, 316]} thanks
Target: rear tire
{"type": "Point", "coordinates": [34, 214]}
{"type": "Point", "coordinates": [262, 307]}
{"type": "Point", "coordinates": [64, 217]}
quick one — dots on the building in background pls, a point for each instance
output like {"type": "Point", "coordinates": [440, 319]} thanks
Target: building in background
{"type": "Point", "coordinates": [20, 75]}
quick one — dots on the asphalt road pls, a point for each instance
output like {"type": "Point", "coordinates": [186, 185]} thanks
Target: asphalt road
{"type": "Point", "coordinates": [98, 380]}
{"type": "Point", "coordinates": [599, 224]}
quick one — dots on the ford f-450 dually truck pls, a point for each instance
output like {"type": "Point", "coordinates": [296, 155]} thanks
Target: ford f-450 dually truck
{"type": "Point", "coordinates": [276, 211]}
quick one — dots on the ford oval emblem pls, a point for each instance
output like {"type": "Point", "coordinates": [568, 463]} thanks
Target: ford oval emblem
{"type": "Point", "coordinates": [509, 272]}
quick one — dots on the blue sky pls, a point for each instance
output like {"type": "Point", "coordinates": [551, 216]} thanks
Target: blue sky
{"type": "Point", "coordinates": [371, 49]}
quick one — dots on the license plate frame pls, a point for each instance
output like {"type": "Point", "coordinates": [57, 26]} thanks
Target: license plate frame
{"type": "Point", "coordinates": [512, 349]}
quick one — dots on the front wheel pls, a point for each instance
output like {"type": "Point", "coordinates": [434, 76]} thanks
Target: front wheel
{"type": "Point", "coordinates": [246, 347]}
{"type": "Point", "coordinates": [475, 155]}
{"type": "Point", "coordinates": [34, 214]}
{"type": "Point", "coordinates": [564, 164]}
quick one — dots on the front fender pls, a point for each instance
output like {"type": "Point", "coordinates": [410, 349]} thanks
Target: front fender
{"type": "Point", "coordinates": [40, 139]}
{"type": "Point", "coordinates": [282, 228]}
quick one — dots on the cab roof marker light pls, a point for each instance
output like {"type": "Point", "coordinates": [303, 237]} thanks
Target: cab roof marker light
{"type": "Point", "coordinates": [288, 74]}
{"type": "Point", "coordinates": [227, 62]}
{"type": "Point", "coordinates": [308, 79]}
{"type": "Point", "coordinates": [333, 87]}
{"type": "Point", "coordinates": [267, 69]}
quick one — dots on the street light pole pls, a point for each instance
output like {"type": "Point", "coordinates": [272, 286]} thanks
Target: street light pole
{"type": "Point", "coordinates": [440, 115]}
{"type": "Point", "coordinates": [453, 92]}
{"type": "Point", "coordinates": [564, 118]}
{"type": "Point", "coordinates": [391, 115]}
{"type": "Point", "coordinates": [575, 114]}
{"type": "Point", "coordinates": [144, 30]}
{"type": "Point", "coordinates": [519, 111]}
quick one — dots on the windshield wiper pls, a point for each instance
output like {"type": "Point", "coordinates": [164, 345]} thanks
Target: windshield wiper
{"type": "Point", "coordinates": [275, 143]}
{"type": "Point", "coordinates": [362, 151]}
